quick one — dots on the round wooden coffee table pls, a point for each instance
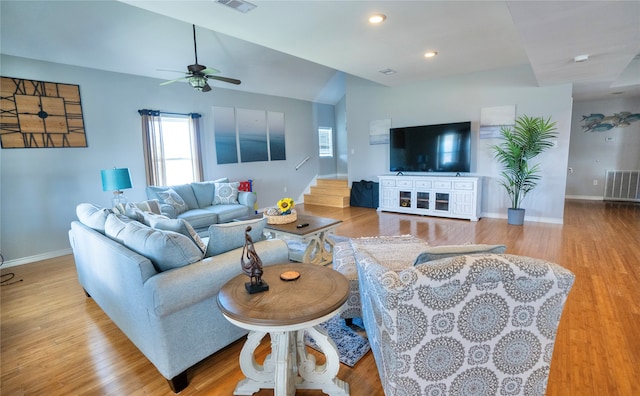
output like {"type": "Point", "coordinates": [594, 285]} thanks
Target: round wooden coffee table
{"type": "Point", "coordinates": [286, 311]}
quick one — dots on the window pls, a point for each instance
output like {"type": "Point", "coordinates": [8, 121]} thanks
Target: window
{"type": "Point", "coordinates": [171, 144]}
{"type": "Point", "coordinates": [178, 147]}
{"type": "Point", "coordinates": [325, 140]}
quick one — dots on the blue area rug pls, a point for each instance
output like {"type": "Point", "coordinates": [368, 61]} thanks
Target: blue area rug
{"type": "Point", "coordinates": [351, 340]}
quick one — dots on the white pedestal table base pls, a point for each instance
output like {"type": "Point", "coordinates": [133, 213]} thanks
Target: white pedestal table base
{"type": "Point", "coordinates": [289, 366]}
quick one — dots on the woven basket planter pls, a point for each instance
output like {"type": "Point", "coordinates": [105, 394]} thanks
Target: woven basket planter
{"type": "Point", "coordinates": [282, 219]}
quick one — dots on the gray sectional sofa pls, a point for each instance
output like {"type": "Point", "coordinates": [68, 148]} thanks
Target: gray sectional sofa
{"type": "Point", "coordinates": [204, 203]}
{"type": "Point", "coordinates": [159, 287]}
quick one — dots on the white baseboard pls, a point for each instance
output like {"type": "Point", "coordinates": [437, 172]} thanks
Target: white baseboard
{"type": "Point", "coordinates": [534, 219]}
{"type": "Point", "coordinates": [37, 257]}
{"type": "Point", "coordinates": [585, 197]}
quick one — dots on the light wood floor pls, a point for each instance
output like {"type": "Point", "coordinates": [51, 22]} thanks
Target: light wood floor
{"type": "Point", "coordinates": [57, 342]}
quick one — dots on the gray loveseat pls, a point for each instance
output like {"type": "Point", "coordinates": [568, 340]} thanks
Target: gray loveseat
{"type": "Point", "coordinates": [204, 203]}
{"type": "Point", "coordinates": [156, 287]}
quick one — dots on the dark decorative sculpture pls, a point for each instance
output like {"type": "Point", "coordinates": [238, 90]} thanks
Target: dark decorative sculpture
{"type": "Point", "coordinates": [253, 267]}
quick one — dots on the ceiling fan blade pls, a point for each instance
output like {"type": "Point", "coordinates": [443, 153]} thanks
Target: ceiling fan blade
{"type": "Point", "coordinates": [225, 79]}
{"type": "Point", "coordinates": [206, 88]}
{"type": "Point", "coordinates": [210, 70]}
{"type": "Point", "coordinates": [169, 70]}
{"type": "Point", "coordinates": [172, 81]}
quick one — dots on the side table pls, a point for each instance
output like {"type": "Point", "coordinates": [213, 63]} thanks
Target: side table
{"type": "Point", "coordinates": [286, 311]}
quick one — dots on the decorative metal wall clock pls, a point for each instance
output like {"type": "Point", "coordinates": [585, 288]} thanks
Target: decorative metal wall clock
{"type": "Point", "coordinates": [36, 114]}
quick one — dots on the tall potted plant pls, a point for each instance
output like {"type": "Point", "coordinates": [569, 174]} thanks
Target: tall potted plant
{"type": "Point", "coordinates": [529, 137]}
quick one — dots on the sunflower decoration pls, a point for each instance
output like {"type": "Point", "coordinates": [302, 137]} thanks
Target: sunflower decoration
{"type": "Point", "coordinates": [285, 205]}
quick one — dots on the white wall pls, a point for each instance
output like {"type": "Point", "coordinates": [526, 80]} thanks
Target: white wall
{"type": "Point", "coordinates": [342, 145]}
{"type": "Point", "coordinates": [460, 99]}
{"type": "Point", "coordinates": [324, 117]}
{"type": "Point", "coordinates": [40, 188]}
{"type": "Point", "coordinates": [591, 154]}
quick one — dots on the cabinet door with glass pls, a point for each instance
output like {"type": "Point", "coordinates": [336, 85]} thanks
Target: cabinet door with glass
{"type": "Point", "coordinates": [442, 202]}
{"type": "Point", "coordinates": [405, 198]}
{"type": "Point", "coordinates": [423, 200]}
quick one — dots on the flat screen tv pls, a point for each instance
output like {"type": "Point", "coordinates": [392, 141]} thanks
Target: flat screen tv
{"type": "Point", "coordinates": [431, 148]}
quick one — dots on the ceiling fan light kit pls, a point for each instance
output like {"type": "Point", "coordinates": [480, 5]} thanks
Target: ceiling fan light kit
{"type": "Point", "coordinates": [198, 75]}
{"type": "Point", "coordinates": [198, 82]}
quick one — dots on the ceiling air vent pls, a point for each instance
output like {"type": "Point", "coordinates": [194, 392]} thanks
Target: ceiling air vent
{"type": "Point", "coordinates": [238, 5]}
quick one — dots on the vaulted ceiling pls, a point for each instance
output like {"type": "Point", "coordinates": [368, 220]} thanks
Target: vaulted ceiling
{"type": "Point", "coordinates": [300, 49]}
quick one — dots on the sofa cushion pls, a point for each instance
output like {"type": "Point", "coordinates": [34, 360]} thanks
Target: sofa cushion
{"type": "Point", "coordinates": [228, 236]}
{"type": "Point", "coordinates": [227, 213]}
{"type": "Point", "coordinates": [199, 218]}
{"type": "Point", "coordinates": [204, 191]}
{"type": "Point", "coordinates": [92, 216]}
{"type": "Point", "coordinates": [171, 197]}
{"type": "Point", "coordinates": [180, 226]}
{"type": "Point", "coordinates": [186, 193]}
{"type": "Point", "coordinates": [226, 193]}
{"type": "Point", "coordinates": [440, 252]}
{"type": "Point", "coordinates": [165, 249]}
{"type": "Point", "coordinates": [114, 226]}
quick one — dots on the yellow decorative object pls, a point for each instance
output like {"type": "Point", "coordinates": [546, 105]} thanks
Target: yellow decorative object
{"type": "Point", "coordinates": [283, 214]}
{"type": "Point", "coordinates": [285, 205]}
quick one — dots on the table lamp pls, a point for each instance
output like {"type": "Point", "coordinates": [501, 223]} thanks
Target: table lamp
{"type": "Point", "coordinates": [115, 180]}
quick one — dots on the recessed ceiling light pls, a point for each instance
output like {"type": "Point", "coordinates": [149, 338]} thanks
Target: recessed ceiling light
{"type": "Point", "coordinates": [430, 54]}
{"type": "Point", "coordinates": [580, 58]}
{"type": "Point", "coordinates": [387, 71]}
{"type": "Point", "coordinates": [238, 5]}
{"type": "Point", "coordinates": [377, 18]}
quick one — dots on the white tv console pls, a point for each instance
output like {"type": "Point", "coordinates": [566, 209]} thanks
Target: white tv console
{"type": "Point", "coordinates": [445, 196]}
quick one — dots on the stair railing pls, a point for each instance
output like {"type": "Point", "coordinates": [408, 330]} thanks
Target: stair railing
{"type": "Point", "coordinates": [304, 161]}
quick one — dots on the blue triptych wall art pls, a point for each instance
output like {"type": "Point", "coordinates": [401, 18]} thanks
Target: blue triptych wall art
{"type": "Point", "coordinates": [244, 135]}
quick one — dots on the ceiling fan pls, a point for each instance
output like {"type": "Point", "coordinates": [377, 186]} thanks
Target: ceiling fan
{"type": "Point", "coordinates": [198, 75]}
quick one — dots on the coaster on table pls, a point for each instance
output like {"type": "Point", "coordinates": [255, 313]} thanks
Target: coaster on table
{"type": "Point", "coordinates": [289, 275]}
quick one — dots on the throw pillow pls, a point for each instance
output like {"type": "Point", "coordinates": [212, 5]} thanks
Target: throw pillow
{"type": "Point", "coordinates": [92, 216]}
{"type": "Point", "coordinates": [226, 193]}
{"type": "Point", "coordinates": [166, 249]}
{"type": "Point", "coordinates": [132, 212]}
{"type": "Point", "coordinates": [229, 236]}
{"type": "Point", "coordinates": [440, 252]}
{"type": "Point", "coordinates": [152, 205]}
{"type": "Point", "coordinates": [148, 218]}
{"type": "Point", "coordinates": [180, 226]}
{"type": "Point", "coordinates": [171, 197]}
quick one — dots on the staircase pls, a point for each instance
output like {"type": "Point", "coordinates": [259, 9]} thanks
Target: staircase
{"type": "Point", "coordinates": [329, 192]}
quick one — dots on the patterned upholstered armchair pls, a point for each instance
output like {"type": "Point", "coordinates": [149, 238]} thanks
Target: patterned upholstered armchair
{"type": "Point", "coordinates": [467, 325]}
